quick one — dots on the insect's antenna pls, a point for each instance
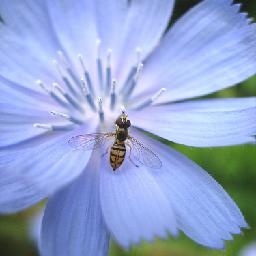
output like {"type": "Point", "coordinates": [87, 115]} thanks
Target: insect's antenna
{"type": "Point", "coordinates": [124, 116]}
{"type": "Point", "coordinates": [123, 109]}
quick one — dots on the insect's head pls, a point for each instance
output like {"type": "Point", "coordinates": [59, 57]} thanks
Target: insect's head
{"type": "Point", "coordinates": [122, 121]}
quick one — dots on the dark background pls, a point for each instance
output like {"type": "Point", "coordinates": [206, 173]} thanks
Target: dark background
{"type": "Point", "coordinates": [233, 167]}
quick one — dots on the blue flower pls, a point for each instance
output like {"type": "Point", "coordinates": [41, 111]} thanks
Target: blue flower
{"type": "Point", "coordinates": [91, 58]}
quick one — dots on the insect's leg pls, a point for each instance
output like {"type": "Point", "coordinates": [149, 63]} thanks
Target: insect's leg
{"type": "Point", "coordinates": [130, 151]}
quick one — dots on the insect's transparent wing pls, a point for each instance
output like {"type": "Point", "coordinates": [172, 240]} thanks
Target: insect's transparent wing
{"type": "Point", "coordinates": [89, 141]}
{"type": "Point", "coordinates": [143, 154]}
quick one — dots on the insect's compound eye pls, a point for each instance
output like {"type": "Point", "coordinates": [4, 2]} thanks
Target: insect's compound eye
{"type": "Point", "coordinates": [128, 123]}
{"type": "Point", "coordinates": [119, 121]}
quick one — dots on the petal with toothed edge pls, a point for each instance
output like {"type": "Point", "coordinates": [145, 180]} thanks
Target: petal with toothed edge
{"type": "Point", "coordinates": [210, 48]}
{"type": "Point", "coordinates": [133, 205]}
{"type": "Point", "coordinates": [73, 223]}
{"type": "Point", "coordinates": [204, 211]}
{"type": "Point", "coordinates": [36, 169]}
{"type": "Point", "coordinates": [199, 123]}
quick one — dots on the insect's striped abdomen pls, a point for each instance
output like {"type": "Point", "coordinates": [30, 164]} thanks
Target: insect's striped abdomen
{"type": "Point", "coordinates": [117, 155]}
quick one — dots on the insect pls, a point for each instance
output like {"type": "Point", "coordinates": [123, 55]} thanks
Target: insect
{"type": "Point", "coordinates": [122, 140]}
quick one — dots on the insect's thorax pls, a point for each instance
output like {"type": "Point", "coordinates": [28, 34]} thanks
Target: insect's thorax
{"type": "Point", "coordinates": [121, 134]}
{"type": "Point", "coordinates": [122, 125]}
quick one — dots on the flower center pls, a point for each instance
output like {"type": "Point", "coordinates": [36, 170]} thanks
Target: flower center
{"type": "Point", "coordinates": [93, 93]}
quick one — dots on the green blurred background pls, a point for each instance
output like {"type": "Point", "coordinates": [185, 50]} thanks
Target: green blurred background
{"type": "Point", "coordinates": [233, 167]}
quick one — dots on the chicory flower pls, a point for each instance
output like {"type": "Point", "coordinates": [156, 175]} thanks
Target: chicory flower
{"type": "Point", "coordinates": [68, 67]}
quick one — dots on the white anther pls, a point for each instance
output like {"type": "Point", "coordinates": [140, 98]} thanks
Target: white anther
{"type": "Point", "coordinates": [149, 101]}
{"type": "Point", "coordinates": [98, 45]}
{"type": "Point", "coordinates": [158, 94]}
{"type": "Point", "coordinates": [138, 72]}
{"type": "Point", "coordinates": [84, 87]}
{"type": "Point", "coordinates": [43, 126]}
{"type": "Point", "coordinates": [100, 110]}
{"type": "Point", "coordinates": [58, 87]}
{"type": "Point", "coordinates": [87, 94]}
{"type": "Point", "coordinates": [41, 84]}
{"type": "Point", "coordinates": [63, 115]}
{"type": "Point", "coordinates": [113, 95]}
{"type": "Point", "coordinates": [109, 54]}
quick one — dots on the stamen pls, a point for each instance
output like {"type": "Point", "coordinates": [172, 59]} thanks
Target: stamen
{"type": "Point", "coordinates": [41, 84]}
{"type": "Point", "coordinates": [108, 71]}
{"type": "Point", "coordinates": [58, 99]}
{"type": "Point", "coordinates": [65, 79]}
{"type": "Point", "coordinates": [67, 117]}
{"type": "Point", "coordinates": [86, 74]}
{"type": "Point", "coordinates": [57, 66]}
{"type": "Point", "coordinates": [62, 57]}
{"type": "Point", "coordinates": [52, 94]}
{"type": "Point", "coordinates": [133, 70]}
{"type": "Point", "coordinates": [149, 101]}
{"type": "Point", "coordinates": [158, 94]}
{"type": "Point", "coordinates": [74, 78]}
{"type": "Point", "coordinates": [138, 54]}
{"type": "Point", "coordinates": [69, 70]}
{"type": "Point", "coordinates": [113, 95]}
{"type": "Point", "coordinates": [63, 115]}
{"type": "Point", "coordinates": [130, 87]}
{"type": "Point", "coordinates": [68, 97]}
{"type": "Point", "coordinates": [100, 110]}
{"type": "Point", "coordinates": [43, 126]}
{"type": "Point", "coordinates": [51, 127]}
{"type": "Point", "coordinates": [99, 63]}
{"type": "Point", "coordinates": [87, 95]}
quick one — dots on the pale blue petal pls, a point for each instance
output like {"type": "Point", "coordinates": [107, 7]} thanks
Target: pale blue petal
{"type": "Point", "coordinates": [35, 170]}
{"type": "Point", "coordinates": [210, 48]}
{"type": "Point", "coordinates": [21, 97]}
{"type": "Point", "coordinates": [22, 107]}
{"type": "Point", "coordinates": [144, 26]}
{"type": "Point", "coordinates": [26, 18]}
{"type": "Point", "coordinates": [204, 123]}
{"type": "Point", "coordinates": [17, 119]}
{"type": "Point", "coordinates": [13, 135]}
{"type": "Point", "coordinates": [74, 23]}
{"type": "Point", "coordinates": [73, 223]}
{"type": "Point", "coordinates": [110, 17]}
{"type": "Point", "coordinates": [17, 113]}
{"type": "Point", "coordinates": [133, 205]}
{"type": "Point", "coordinates": [204, 211]}
{"type": "Point", "coordinates": [21, 21]}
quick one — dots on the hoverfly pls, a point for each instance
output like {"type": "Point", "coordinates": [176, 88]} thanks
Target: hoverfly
{"type": "Point", "coordinates": [122, 141]}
